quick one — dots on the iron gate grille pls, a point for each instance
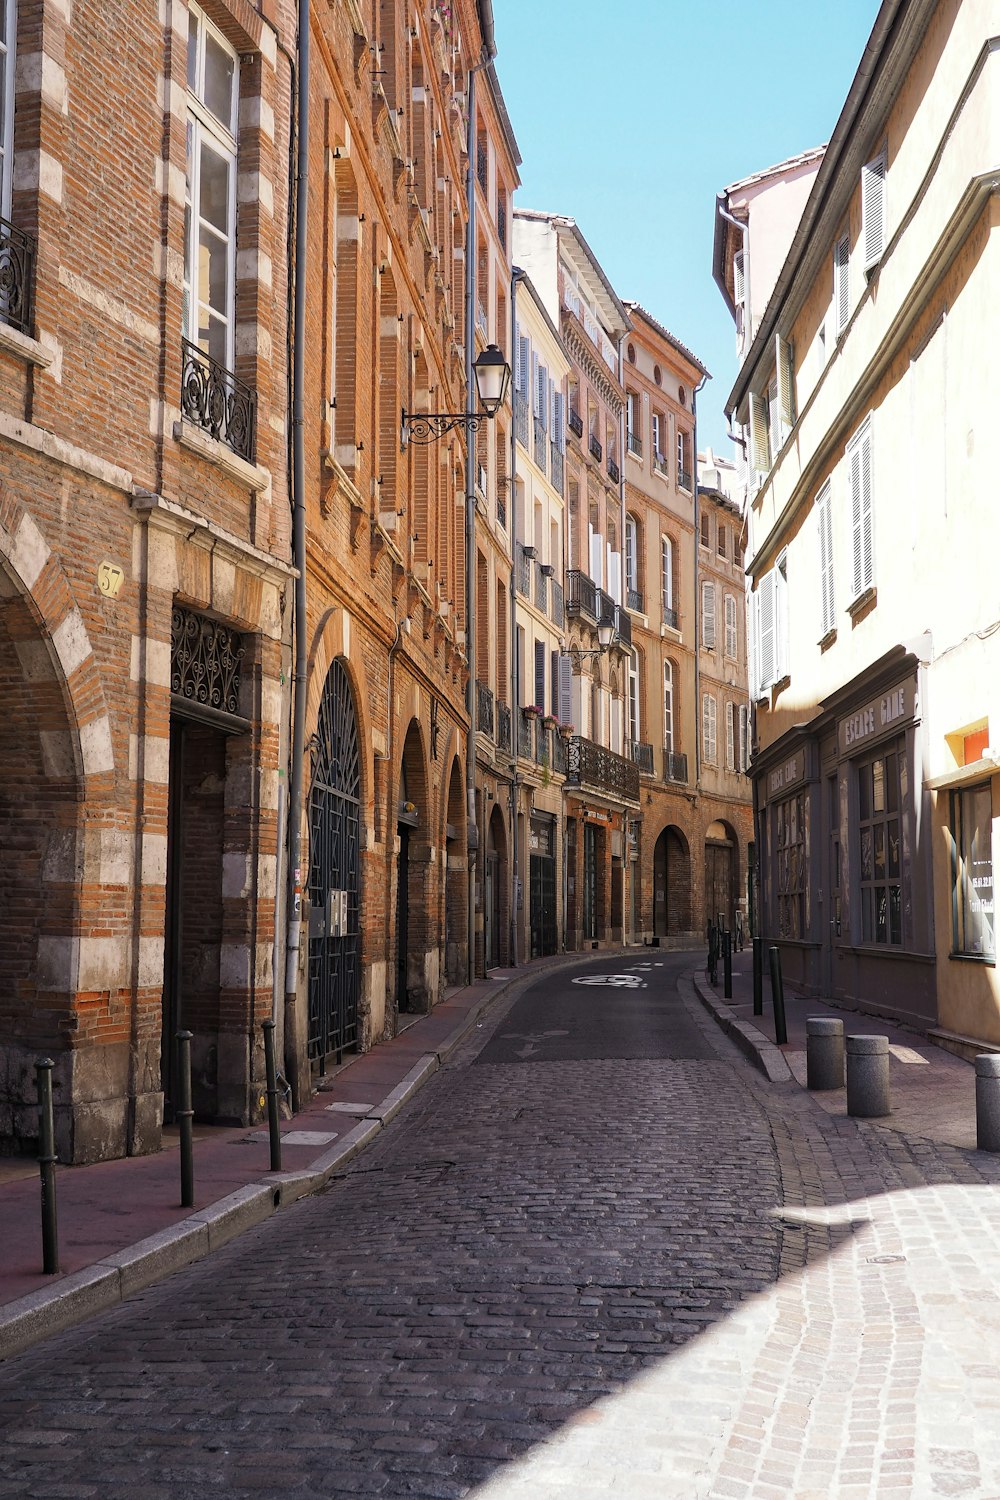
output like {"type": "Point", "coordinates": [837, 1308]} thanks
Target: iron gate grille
{"type": "Point", "coordinates": [334, 804]}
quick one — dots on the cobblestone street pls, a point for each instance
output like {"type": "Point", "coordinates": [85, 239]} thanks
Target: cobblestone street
{"type": "Point", "coordinates": [598, 1255]}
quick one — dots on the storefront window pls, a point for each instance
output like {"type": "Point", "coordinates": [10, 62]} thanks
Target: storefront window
{"type": "Point", "coordinates": [972, 831]}
{"type": "Point", "coordinates": [879, 824]}
{"type": "Point", "coordinates": [790, 844]}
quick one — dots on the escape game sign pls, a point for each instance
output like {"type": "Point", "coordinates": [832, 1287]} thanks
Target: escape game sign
{"type": "Point", "coordinates": [879, 717]}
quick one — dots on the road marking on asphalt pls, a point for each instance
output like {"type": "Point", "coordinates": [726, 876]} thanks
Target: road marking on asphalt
{"type": "Point", "coordinates": [617, 981]}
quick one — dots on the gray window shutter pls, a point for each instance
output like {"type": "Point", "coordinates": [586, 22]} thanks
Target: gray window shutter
{"type": "Point", "coordinates": [539, 697]}
{"type": "Point", "coordinates": [786, 386]}
{"type": "Point", "coordinates": [708, 615]}
{"type": "Point", "coordinates": [559, 420]}
{"type": "Point", "coordinates": [535, 383]}
{"type": "Point", "coordinates": [543, 396]}
{"type": "Point", "coordinates": [841, 267]}
{"type": "Point", "coordinates": [565, 689]}
{"type": "Point", "coordinates": [760, 453]}
{"type": "Point", "coordinates": [873, 208]}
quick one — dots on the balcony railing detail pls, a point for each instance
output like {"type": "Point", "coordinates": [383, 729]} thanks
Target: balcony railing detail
{"type": "Point", "coordinates": [635, 600]}
{"type": "Point", "coordinates": [660, 465]}
{"type": "Point", "coordinates": [541, 444]}
{"type": "Point", "coordinates": [481, 165]}
{"type": "Point", "coordinates": [525, 734]}
{"type": "Point", "coordinates": [502, 224]}
{"type": "Point", "coordinates": [559, 756]}
{"type": "Point", "coordinates": [503, 726]}
{"type": "Point", "coordinates": [484, 709]}
{"type": "Point", "coordinates": [670, 617]}
{"type": "Point", "coordinates": [481, 321]}
{"type": "Point", "coordinates": [614, 473]}
{"type": "Point", "coordinates": [501, 511]}
{"type": "Point", "coordinates": [575, 422]}
{"type": "Point", "coordinates": [675, 766]}
{"type": "Point", "coordinates": [581, 595]}
{"type": "Point", "coordinates": [17, 266]}
{"type": "Point", "coordinates": [522, 570]}
{"type": "Point", "coordinates": [642, 756]}
{"type": "Point", "coordinates": [635, 444]}
{"type": "Point", "coordinates": [684, 479]}
{"type": "Point", "coordinates": [557, 612]}
{"type": "Point", "coordinates": [623, 625]}
{"type": "Point", "coordinates": [521, 418]}
{"type": "Point", "coordinates": [541, 588]}
{"type": "Point", "coordinates": [214, 400]}
{"type": "Point", "coordinates": [595, 447]}
{"type": "Point", "coordinates": [603, 770]}
{"type": "Point", "coordinates": [557, 468]}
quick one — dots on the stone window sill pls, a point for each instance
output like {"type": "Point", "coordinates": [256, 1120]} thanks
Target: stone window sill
{"type": "Point", "coordinates": [191, 437]}
{"type": "Point", "coordinates": [15, 342]}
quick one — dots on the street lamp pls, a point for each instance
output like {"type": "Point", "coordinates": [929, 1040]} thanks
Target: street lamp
{"type": "Point", "coordinates": [605, 636]}
{"type": "Point", "coordinates": [492, 374]}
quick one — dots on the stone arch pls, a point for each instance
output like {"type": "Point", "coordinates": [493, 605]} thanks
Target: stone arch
{"type": "Point", "coordinates": [332, 641]}
{"type": "Point", "coordinates": [672, 894]}
{"type": "Point", "coordinates": [416, 950]}
{"type": "Point", "coordinates": [496, 892]}
{"type": "Point", "coordinates": [456, 877]}
{"type": "Point", "coordinates": [722, 872]}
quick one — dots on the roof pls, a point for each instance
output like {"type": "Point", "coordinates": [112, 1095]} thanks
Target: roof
{"type": "Point", "coordinates": [803, 159]}
{"type": "Point", "coordinates": [564, 224]}
{"type": "Point", "coordinates": [682, 349]}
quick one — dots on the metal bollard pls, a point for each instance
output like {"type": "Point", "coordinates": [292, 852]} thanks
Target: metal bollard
{"type": "Point", "coordinates": [778, 998]}
{"type": "Point", "coordinates": [824, 1052]}
{"type": "Point", "coordinates": [727, 965]}
{"type": "Point", "coordinates": [185, 1117]}
{"type": "Point", "coordinates": [272, 1096]}
{"type": "Point", "coordinates": [758, 975]}
{"type": "Point", "coordinates": [47, 1166]}
{"type": "Point", "coordinates": [868, 1077]}
{"type": "Point", "coordinates": [988, 1101]}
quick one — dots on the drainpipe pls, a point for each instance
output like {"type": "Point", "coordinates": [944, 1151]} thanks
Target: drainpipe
{"type": "Point", "coordinates": [300, 669]}
{"type": "Point", "coordinates": [471, 282]}
{"type": "Point", "coordinates": [517, 276]}
{"type": "Point", "coordinates": [697, 600]}
{"type": "Point", "coordinates": [744, 228]}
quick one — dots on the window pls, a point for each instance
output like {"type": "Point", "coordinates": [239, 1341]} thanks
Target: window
{"type": "Point", "coordinates": [731, 722]}
{"type": "Point", "coordinates": [790, 849]}
{"type": "Point", "coordinates": [709, 742]}
{"type": "Point", "coordinates": [841, 262]}
{"type": "Point", "coordinates": [873, 209]}
{"type": "Point", "coordinates": [657, 436]}
{"type": "Point", "coordinates": [743, 745]}
{"type": "Point", "coordinates": [972, 867]}
{"type": "Point", "coordinates": [770, 607]}
{"type": "Point", "coordinates": [706, 525]}
{"type": "Point", "coordinates": [684, 460]}
{"type": "Point", "coordinates": [731, 631]}
{"type": "Point", "coordinates": [633, 700]}
{"type": "Point", "coordinates": [210, 200]}
{"type": "Point", "coordinates": [880, 849]}
{"type": "Point", "coordinates": [667, 577]}
{"type": "Point", "coordinates": [668, 707]}
{"type": "Point", "coordinates": [631, 555]}
{"type": "Point", "coordinates": [539, 697]}
{"type": "Point", "coordinates": [708, 614]}
{"type": "Point", "coordinates": [632, 414]}
{"type": "Point", "coordinates": [760, 441]}
{"type": "Point", "coordinates": [859, 477]}
{"type": "Point", "coordinates": [8, 34]}
{"type": "Point", "coordinates": [824, 526]}
{"type": "Point", "coordinates": [722, 541]}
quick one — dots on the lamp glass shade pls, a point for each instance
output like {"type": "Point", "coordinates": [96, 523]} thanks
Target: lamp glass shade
{"type": "Point", "coordinates": [492, 379]}
{"type": "Point", "coordinates": [606, 633]}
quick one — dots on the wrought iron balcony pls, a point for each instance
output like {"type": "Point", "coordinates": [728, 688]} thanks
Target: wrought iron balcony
{"type": "Point", "coordinates": [481, 165]}
{"type": "Point", "coordinates": [635, 444]}
{"type": "Point", "coordinates": [557, 468]}
{"type": "Point", "coordinates": [601, 770]}
{"type": "Point", "coordinates": [541, 444]}
{"type": "Point", "coordinates": [541, 588]}
{"type": "Point", "coordinates": [502, 223]}
{"type": "Point", "coordinates": [501, 511]}
{"type": "Point", "coordinates": [642, 756]}
{"type": "Point", "coordinates": [635, 600]}
{"type": "Point", "coordinates": [559, 754]}
{"type": "Point", "coordinates": [675, 766]}
{"type": "Point", "coordinates": [525, 733]}
{"type": "Point", "coordinates": [614, 473]}
{"type": "Point", "coordinates": [522, 571]}
{"type": "Point", "coordinates": [214, 400]}
{"type": "Point", "coordinates": [503, 726]}
{"type": "Point", "coordinates": [581, 595]}
{"type": "Point", "coordinates": [595, 447]}
{"type": "Point", "coordinates": [660, 465]}
{"type": "Point", "coordinates": [484, 709]}
{"type": "Point", "coordinates": [670, 617]}
{"type": "Point", "coordinates": [521, 418]}
{"type": "Point", "coordinates": [684, 479]}
{"type": "Point", "coordinates": [575, 422]}
{"type": "Point", "coordinates": [557, 613]}
{"type": "Point", "coordinates": [623, 625]}
{"type": "Point", "coordinates": [17, 268]}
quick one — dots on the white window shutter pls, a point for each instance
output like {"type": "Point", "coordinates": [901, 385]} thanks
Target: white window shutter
{"type": "Point", "coordinates": [731, 632]}
{"type": "Point", "coordinates": [668, 707]}
{"type": "Point", "coordinates": [859, 477]}
{"type": "Point", "coordinates": [730, 736]}
{"type": "Point", "coordinates": [709, 724]}
{"type": "Point", "coordinates": [766, 632]}
{"type": "Point", "coordinates": [559, 420]}
{"type": "Point", "coordinates": [667, 572]}
{"type": "Point", "coordinates": [523, 348]}
{"type": "Point", "coordinates": [743, 755]}
{"type": "Point", "coordinates": [781, 656]}
{"type": "Point", "coordinates": [760, 455]}
{"type": "Point", "coordinates": [786, 386]}
{"type": "Point", "coordinates": [841, 280]}
{"type": "Point", "coordinates": [739, 279]}
{"type": "Point", "coordinates": [824, 522]}
{"type": "Point", "coordinates": [543, 397]}
{"type": "Point", "coordinates": [708, 614]}
{"type": "Point", "coordinates": [873, 208]}
{"type": "Point", "coordinates": [534, 383]}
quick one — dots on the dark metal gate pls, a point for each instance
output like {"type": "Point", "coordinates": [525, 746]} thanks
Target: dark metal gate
{"type": "Point", "coordinates": [542, 877]}
{"type": "Point", "coordinates": [334, 805]}
{"type": "Point", "coordinates": [589, 881]}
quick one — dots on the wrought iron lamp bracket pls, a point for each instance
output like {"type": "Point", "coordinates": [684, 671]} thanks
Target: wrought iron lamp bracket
{"type": "Point", "coordinates": [428, 426]}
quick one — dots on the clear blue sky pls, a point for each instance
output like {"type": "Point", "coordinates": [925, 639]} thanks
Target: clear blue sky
{"type": "Point", "coordinates": [632, 116]}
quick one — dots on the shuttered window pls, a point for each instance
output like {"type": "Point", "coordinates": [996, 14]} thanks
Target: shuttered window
{"type": "Point", "coordinates": [731, 633]}
{"type": "Point", "coordinates": [824, 526]}
{"type": "Point", "coordinates": [766, 632]}
{"type": "Point", "coordinates": [760, 448]}
{"type": "Point", "coordinates": [785, 365]}
{"type": "Point", "coordinates": [667, 573]}
{"type": "Point", "coordinates": [841, 264]}
{"type": "Point", "coordinates": [743, 747]}
{"type": "Point", "coordinates": [859, 477]}
{"type": "Point", "coordinates": [709, 729]}
{"type": "Point", "coordinates": [873, 209]}
{"type": "Point", "coordinates": [668, 707]}
{"type": "Point", "coordinates": [730, 736]}
{"type": "Point", "coordinates": [539, 698]}
{"type": "Point", "coordinates": [708, 614]}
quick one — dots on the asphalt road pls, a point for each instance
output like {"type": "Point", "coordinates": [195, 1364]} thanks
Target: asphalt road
{"type": "Point", "coordinates": [593, 1195]}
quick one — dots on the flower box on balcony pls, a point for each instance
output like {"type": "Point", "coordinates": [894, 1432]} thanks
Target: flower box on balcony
{"type": "Point", "coordinates": [549, 721]}
{"type": "Point", "coordinates": [532, 711]}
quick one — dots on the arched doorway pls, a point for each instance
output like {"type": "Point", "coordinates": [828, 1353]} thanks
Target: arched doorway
{"type": "Point", "coordinates": [334, 872]}
{"type": "Point", "coordinates": [456, 893]}
{"type": "Point", "coordinates": [413, 899]}
{"type": "Point", "coordinates": [671, 884]}
{"type": "Point", "coordinates": [495, 903]}
{"type": "Point", "coordinates": [721, 874]}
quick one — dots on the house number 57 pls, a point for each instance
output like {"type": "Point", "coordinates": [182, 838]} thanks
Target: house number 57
{"type": "Point", "coordinates": [109, 579]}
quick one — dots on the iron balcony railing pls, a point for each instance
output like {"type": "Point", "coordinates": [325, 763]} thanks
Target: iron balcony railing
{"type": "Point", "coordinates": [525, 725]}
{"type": "Point", "coordinates": [581, 595]}
{"type": "Point", "coordinates": [481, 165]}
{"type": "Point", "coordinates": [521, 419]}
{"type": "Point", "coordinates": [684, 478]}
{"type": "Point", "coordinates": [670, 617]}
{"type": "Point", "coordinates": [642, 756]}
{"type": "Point", "coordinates": [543, 755]}
{"type": "Point", "coordinates": [522, 571]}
{"type": "Point", "coordinates": [502, 224]}
{"type": "Point", "coordinates": [541, 588]}
{"type": "Point", "coordinates": [614, 473]}
{"type": "Point", "coordinates": [602, 770]}
{"type": "Point", "coordinates": [635, 600]}
{"type": "Point", "coordinates": [635, 444]}
{"type": "Point", "coordinates": [595, 447]}
{"type": "Point", "coordinates": [541, 444]}
{"type": "Point", "coordinates": [675, 766]}
{"type": "Point", "coordinates": [623, 625]}
{"type": "Point", "coordinates": [214, 400]}
{"type": "Point", "coordinates": [575, 422]}
{"type": "Point", "coordinates": [17, 272]}
{"type": "Point", "coordinates": [484, 709]}
{"type": "Point", "coordinates": [559, 756]}
{"type": "Point", "coordinates": [558, 611]}
{"type": "Point", "coordinates": [660, 464]}
{"type": "Point", "coordinates": [501, 510]}
{"type": "Point", "coordinates": [557, 468]}
{"type": "Point", "coordinates": [503, 726]}
{"type": "Point", "coordinates": [481, 322]}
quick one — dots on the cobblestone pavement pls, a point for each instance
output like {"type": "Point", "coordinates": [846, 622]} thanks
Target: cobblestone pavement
{"type": "Point", "coordinates": [574, 1267]}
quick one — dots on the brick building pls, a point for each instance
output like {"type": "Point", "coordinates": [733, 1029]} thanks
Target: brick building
{"type": "Point", "coordinates": [144, 558]}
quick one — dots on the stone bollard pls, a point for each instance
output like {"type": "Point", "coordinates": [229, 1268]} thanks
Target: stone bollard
{"type": "Point", "coordinates": [868, 1076]}
{"type": "Point", "coordinates": [824, 1052]}
{"type": "Point", "coordinates": [988, 1101]}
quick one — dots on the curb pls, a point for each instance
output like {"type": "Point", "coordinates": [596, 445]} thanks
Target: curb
{"type": "Point", "coordinates": [110, 1281]}
{"type": "Point", "coordinates": [755, 1046]}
